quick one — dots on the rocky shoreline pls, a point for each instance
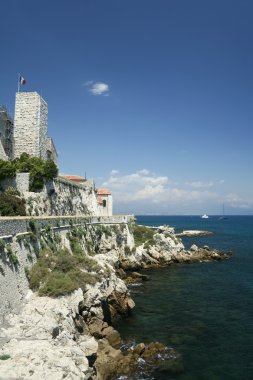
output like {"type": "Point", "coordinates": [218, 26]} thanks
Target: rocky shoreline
{"type": "Point", "coordinates": [73, 336]}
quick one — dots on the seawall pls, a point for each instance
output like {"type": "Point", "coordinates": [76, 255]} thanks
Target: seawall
{"type": "Point", "coordinates": [21, 238]}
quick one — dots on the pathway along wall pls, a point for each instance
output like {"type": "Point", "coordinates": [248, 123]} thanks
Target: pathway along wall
{"type": "Point", "coordinates": [22, 238]}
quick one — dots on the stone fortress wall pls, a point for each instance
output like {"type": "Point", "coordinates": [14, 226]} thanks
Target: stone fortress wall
{"type": "Point", "coordinates": [3, 156]}
{"type": "Point", "coordinates": [59, 197]}
{"type": "Point", "coordinates": [30, 125]}
{"type": "Point", "coordinates": [63, 197]}
{"type": "Point", "coordinates": [13, 231]}
{"type": "Point", "coordinates": [6, 134]}
{"type": "Point", "coordinates": [19, 182]}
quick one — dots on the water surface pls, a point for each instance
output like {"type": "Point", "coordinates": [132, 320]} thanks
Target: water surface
{"type": "Point", "coordinates": [203, 310]}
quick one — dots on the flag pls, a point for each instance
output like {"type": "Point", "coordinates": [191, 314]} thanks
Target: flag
{"type": "Point", "coordinates": [22, 80]}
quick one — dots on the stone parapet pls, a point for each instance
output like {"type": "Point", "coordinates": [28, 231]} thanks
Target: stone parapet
{"type": "Point", "coordinates": [15, 225]}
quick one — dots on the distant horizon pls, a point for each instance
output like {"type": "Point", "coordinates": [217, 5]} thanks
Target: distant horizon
{"type": "Point", "coordinates": [199, 215]}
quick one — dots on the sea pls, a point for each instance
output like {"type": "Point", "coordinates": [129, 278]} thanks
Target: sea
{"type": "Point", "coordinates": [202, 310]}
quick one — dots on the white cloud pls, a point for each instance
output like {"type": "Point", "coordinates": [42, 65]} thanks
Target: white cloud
{"type": "Point", "coordinates": [200, 184]}
{"type": "Point", "coordinates": [135, 180]}
{"type": "Point", "coordinates": [114, 172]}
{"type": "Point", "coordinates": [97, 88]}
{"type": "Point", "coordinates": [143, 191]}
{"type": "Point", "coordinates": [146, 186]}
{"type": "Point", "coordinates": [235, 201]}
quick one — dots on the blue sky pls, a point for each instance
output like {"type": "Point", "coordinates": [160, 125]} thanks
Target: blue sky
{"type": "Point", "coordinates": [152, 99]}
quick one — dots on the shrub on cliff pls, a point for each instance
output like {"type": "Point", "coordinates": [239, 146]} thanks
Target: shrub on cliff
{"type": "Point", "coordinates": [7, 170]}
{"type": "Point", "coordinates": [11, 206]}
{"type": "Point", "coordinates": [143, 235]}
{"type": "Point", "coordinates": [40, 170]}
{"type": "Point", "coordinates": [60, 273]}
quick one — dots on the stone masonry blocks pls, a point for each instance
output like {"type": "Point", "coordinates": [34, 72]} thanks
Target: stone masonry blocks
{"type": "Point", "coordinates": [30, 125]}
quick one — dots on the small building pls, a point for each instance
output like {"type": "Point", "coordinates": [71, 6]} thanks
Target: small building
{"type": "Point", "coordinates": [104, 199]}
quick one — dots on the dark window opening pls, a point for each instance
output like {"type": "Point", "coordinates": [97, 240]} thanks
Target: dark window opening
{"type": "Point", "coordinates": [104, 203]}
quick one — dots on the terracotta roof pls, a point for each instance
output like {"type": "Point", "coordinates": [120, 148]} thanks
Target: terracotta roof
{"type": "Point", "coordinates": [76, 178]}
{"type": "Point", "coordinates": [103, 192]}
{"type": "Point", "coordinates": [100, 200]}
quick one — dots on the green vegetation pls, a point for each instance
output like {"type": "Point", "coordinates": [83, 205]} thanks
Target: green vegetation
{"type": "Point", "coordinates": [75, 246]}
{"type": "Point", "coordinates": [127, 250]}
{"type": "Point", "coordinates": [7, 170]}
{"type": "Point", "coordinates": [4, 357]}
{"type": "Point", "coordinates": [60, 273]}
{"type": "Point", "coordinates": [11, 206]}
{"type": "Point", "coordinates": [12, 256]}
{"type": "Point", "coordinates": [34, 227]}
{"type": "Point", "coordinates": [143, 235]}
{"type": "Point", "coordinates": [2, 244]}
{"type": "Point", "coordinates": [11, 191]}
{"type": "Point", "coordinates": [40, 170]}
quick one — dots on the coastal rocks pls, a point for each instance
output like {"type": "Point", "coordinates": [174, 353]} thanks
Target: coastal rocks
{"type": "Point", "coordinates": [206, 254]}
{"type": "Point", "coordinates": [168, 241]}
{"type": "Point", "coordinates": [134, 277]}
{"type": "Point", "coordinates": [100, 329]}
{"type": "Point", "coordinates": [194, 233]}
{"type": "Point", "coordinates": [68, 336]}
{"type": "Point", "coordinates": [119, 304]}
{"type": "Point", "coordinates": [42, 341]}
{"type": "Point", "coordinates": [112, 363]}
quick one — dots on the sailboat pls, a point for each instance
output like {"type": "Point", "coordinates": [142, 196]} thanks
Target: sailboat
{"type": "Point", "coordinates": [204, 216]}
{"type": "Point", "coordinates": [223, 213]}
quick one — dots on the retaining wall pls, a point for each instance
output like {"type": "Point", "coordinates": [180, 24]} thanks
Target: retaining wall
{"type": "Point", "coordinates": [13, 282]}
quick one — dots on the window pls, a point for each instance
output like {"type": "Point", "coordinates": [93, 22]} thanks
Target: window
{"type": "Point", "coordinates": [104, 203]}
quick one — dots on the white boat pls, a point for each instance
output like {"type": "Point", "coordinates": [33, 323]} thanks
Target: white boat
{"type": "Point", "coordinates": [204, 216]}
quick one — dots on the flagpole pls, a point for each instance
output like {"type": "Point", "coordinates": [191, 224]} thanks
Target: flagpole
{"type": "Point", "coordinates": [18, 81]}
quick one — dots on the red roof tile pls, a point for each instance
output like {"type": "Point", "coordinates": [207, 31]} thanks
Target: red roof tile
{"type": "Point", "coordinates": [103, 192]}
{"type": "Point", "coordinates": [76, 178]}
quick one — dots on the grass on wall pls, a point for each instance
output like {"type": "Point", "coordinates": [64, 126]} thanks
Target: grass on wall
{"type": "Point", "coordinates": [11, 205]}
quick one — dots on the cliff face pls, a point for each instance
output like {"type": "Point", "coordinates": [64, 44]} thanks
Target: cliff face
{"type": "Point", "coordinates": [72, 336]}
{"type": "Point", "coordinates": [57, 337]}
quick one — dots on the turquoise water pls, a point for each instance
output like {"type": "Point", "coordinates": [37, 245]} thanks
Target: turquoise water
{"type": "Point", "coordinates": [203, 310]}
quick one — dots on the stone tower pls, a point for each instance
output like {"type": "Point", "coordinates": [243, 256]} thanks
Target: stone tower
{"type": "Point", "coordinates": [30, 125]}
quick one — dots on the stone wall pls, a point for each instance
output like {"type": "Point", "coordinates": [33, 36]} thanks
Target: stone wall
{"type": "Point", "coordinates": [59, 197]}
{"type": "Point", "coordinates": [2, 152]}
{"type": "Point", "coordinates": [20, 224]}
{"type": "Point", "coordinates": [20, 182]}
{"type": "Point", "coordinates": [19, 243]}
{"type": "Point", "coordinates": [51, 150]}
{"type": "Point", "coordinates": [43, 128]}
{"type": "Point", "coordinates": [63, 197]}
{"type": "Point", "coordinates": [30, 125]}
